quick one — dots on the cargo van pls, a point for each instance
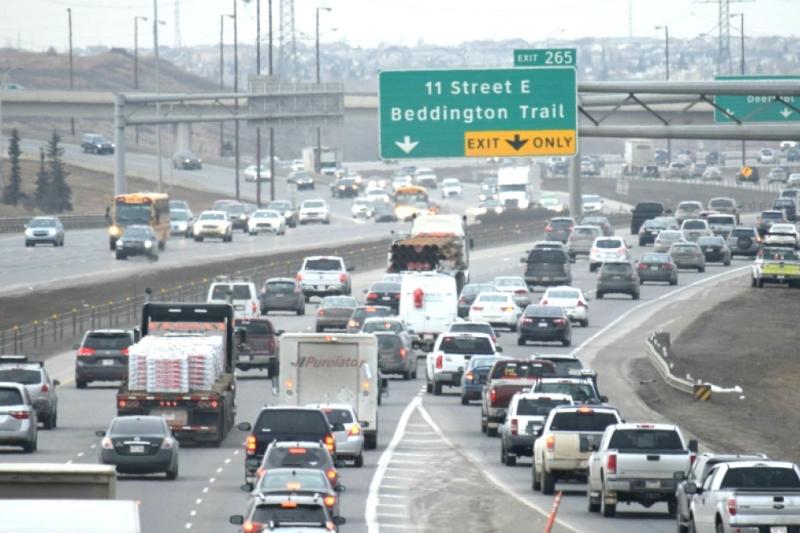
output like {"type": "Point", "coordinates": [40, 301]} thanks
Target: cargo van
{"type": "Point", "coordinates": [428, 304]}
{"type": "Point", "coordinates": [239, 291]}
{"type": "Point", "coordinates": [317, 368]}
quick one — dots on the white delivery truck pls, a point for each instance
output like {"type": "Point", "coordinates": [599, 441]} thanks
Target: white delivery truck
{"type": "Point", "coordinates": [341, 368]}
{"type": "Point", "coordinates": [512, 187]}
{"type": "Point", "coordinates": [638, 153]}
{"type": "Point", "coordinates": [428, 304]}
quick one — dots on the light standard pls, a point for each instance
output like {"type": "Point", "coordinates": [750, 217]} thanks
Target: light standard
{"type": "Point", "coordinates": [319, 128]}
{"type": "Point", "coordinates": [741, 71]}
{"type": "Point", "coordinates": [222, 77]}
{"type": "Point", "coordinates": [71, 72]}
{"type": "Point", "coordinates": [549, 35]}
{"type": "Point", "coordinates": [236, 90]}
{"type": "Point", "coordinates": [136, 20]}
{"type": "Point", "coordinates": [158, 91]}
{"type": "Point", "coordinates": [666, 55]}
{"type": "Point", "coordinates": [5, 76]}
{"type": "Point", "coordinates": [258, 130]}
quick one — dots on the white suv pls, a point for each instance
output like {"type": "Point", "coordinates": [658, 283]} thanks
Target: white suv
{"type": "Point", "coordinates": [213, 224]}
{"type": "Point", "coordinates": [607, 249]}
{"type": "Point", "coordinates": [243, 295]}
{"type": "Point", "coordinates": [314, 211]}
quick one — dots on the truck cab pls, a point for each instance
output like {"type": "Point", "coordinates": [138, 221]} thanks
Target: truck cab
{"type": "Point", "coordinates": [506, 378]}
{"type": "Point", "coordinates": [512, 187]}
{"type": "Point", "coordinates": [526, 414]}
{"type": "Point", "coordinates": [451, 353]}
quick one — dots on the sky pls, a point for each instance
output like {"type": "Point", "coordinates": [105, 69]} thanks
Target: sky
{"type": "Point", "coordinates": [39, 24]}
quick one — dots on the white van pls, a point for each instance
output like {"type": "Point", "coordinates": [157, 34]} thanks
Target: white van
{"type": "Point", "coordinates": [342, 368]}
{"type": "Point", "coordinates": [428, 304]}
{"type": "Point", "coordinates": [243, 294]}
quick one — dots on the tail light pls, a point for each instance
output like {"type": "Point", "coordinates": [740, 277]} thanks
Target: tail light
{"type": "Point", "coordinates": [611, 463]}
{"type": "Point", "coordinates": [329, 501]}
{"type": "Point", "coordinates": [581, 303]}
{"type": "Point", "coordinates": [253, 308]}
{"type": "Point", "coordinates": [124, 351]}
{"type": "Point", "coordinates": [372, 296]}
{"type": "Point", "coordinates": [439, 361]}
{"type": "Point", "coordinates": [252, 527]}
{"type": "Point", "coordinates": [86, 351]}
{"type": "Point", "coordinates": [355, 429]}
{"type": "Point", "coordinates": [692, 459]}
{"type": "Point", "coordinates": [559, 321]}
{"type": "Point", "coordinates": [548, 228]}
{"type": "Point", "coordinates": [477, 308]}
{"type": "Point", "coordinates": [397, 296]}
{"type": "Point", "coordinates": [543, 302]}
{"type": "Point", "coordinates": [343, 277]}
{"type": "Point", "coordinates": [261, 471]}
{"type": "Point", "coordinates": [514, 426]}
{"type": "Point", "coordinates": [271, 344]}
{"type": "Point", "coordinates": [329, 442]}
{"type": "Point", "coordinates": [462, 300]}
{"type": "Point", "coordinates": [403, 353]}
{"type": "Point", "coordinates": [20, 415]}
{"type": "Point", "coordinates": [732, 508]}
{"type": "Point", "coordinates": [106, 444]}
{"type": "Point", "coordinates": [667, 266]}
{"type": "Point", "coordinates": [321, 312]}
{"type": "Point", "coordinates": [521, 292]}
{"type": "Point", "coordinates": [298, 277]}
{"type": "Point", "coordinates": [492, 396]}
{"type": "Point", "coordinates": [250, 445]}
{"type": "Point", "coordinates": [45, 387]}
{"type": "Point", "coordinates": [331, 475]}
{"type": "Point", "coordinates": [550, 443]}
{"type": "Point", "coordinates": [642, 266]}
{"type": "Point", "coordinates": [469, 376]}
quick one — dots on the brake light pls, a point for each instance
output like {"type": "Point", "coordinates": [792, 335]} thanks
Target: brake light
{"type": "Point", "coordinates": [250, 445]}
{"type": "Point", "coordinates": [548, 228]}
{"type": "Point", "coordinates": [692, 459]}
{"type": "Point", "coordinates": [271, 344]}
{"type": "Point", "coordinates": [106, 444]}
{"type": "Point", "coordinates": [439, 361]}
{"type": "Point", "coordinates": [298, 277]}
{"type": "Point", "coordinates": [260, 471]}
{"type": "Point", "coordinates": [642, 266]}
{"type": "Point", "coordinates": [469, 376]}
{"type": "Point", "coordinates": [343, 277]}
{"type": "Point", "coordinates": [124, 351]}
{"type": "Point", "coordinates": [544, 301]}
{"type": "Point", "coordinates": [611, 463]}
{"type": "Point", "coordinates": [321, 312]}
{"type": "Point", "coordinates": [732, 508]}
{"type": "Point", "coordinates": [355, 429]}
{"type": "Point", "coordinates": [667, 266]}
{"type": "Point", "coordinates": [514, 426]}
{"type": "Point", "coordinates": [492, 396]}
{"type": "Point", "coordinates": [559, 321]}
{"type": "Point", "coordinates": [329, 501]}
{"type": "Point", "coordinates": [550, 443]}
{"type": "Point", "coordinates": [397, 296]}
{"type": "Point", "coordinates": [331, 474]}
{"type": "Point", "coordinates": [45, 387]}
{"type": "Point", "coordinates": [477, 308]}
{"type": "Point", "coordinates": [86, 351]}
{"type": "Point", "coordinates": [462, 300]}
{"type": "Point", "coordinates": [20, 415]}
{"type": "Point", "coordinates": [403, 353]}
{"type": "Point", "coordinates": [329, 442]}
{"type": "Point", "coordinates": [167, 444]}
{"type": "Point", "coordinates": [252, 527]}
{"type": "Point", "coordinates": [372, 296]}
{"type": "Point", "coordinates": [297, 451]}
{"type": "Point", "coordinates": [521, 291]}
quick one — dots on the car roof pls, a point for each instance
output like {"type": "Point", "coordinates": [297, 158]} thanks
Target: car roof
{"type": "Point", "coordinates": [345, 406]}
{"type": "Point", "coordinates": [11, 385]}
{"type": "Point", "coordinates": [283, 280]}
{"type": "Point", "coordinates": [645, 425]}
{"type": "Point", "coordinates": [572, 408]}
{"type": "Point", "coordinates": [468, 335]}
{"type": "Point", "coordinates": [383, 318]}
{"type": "Point", "coordinates": [322, 257]}
{"type": "Point", "coordinates": [296, 443]}
{"type": "Point", "coordinates": [761, 462]}
{"type": "Point", "coordinates": [545, 395]}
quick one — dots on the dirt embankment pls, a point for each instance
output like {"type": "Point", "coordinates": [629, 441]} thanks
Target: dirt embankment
{"type": "Point", "coordinates": [749, 339]}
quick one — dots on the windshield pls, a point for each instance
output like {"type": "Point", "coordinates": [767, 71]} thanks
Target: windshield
{"type": "Point", "coordinates": [512, 188]}
{"type": "Point", "coordinates": [563, 294]}
{"type": "Point", "coordinates": [714, 219]}
{"type": "Point", "coordinates": [323, 264]}
{"type": "Point", "coordinates": [761, 477]}
{"type": "Point", "coordinates": [280, 457]}
{"type": "Point", "coordinates": [466, 345]}
{"type": "Point", "coordinates": [414, 198]}
{"type": "Point", "coordinates": [129, 214]}
{"type": "Point", "coordinates": [381, 325]}
{"type": "Point", "coordinates": [300, 514]}
{"type": "Point", "coordinates": [284, 480]}
{"type": "Point", "coordinates": [520, 369]}
{"type": "Point", "coordinates": [137, 426]}
{"type": "Point", "coordinates": [646, 440]}
{"type": "Point", "coordinates": [590, 420]}
{"type": "Point", "coordinates": [42, 223]}
{"type": "Point", "coordinates": [537, 407]}
{"type": "Point", "coordinates": [20, 375]}
{"type": "Point", "coordinates": [179, 215]}
{"type": "Point", "coordinates": [212, 216]}
{"type": "Point", "coordinates": [137, 233]}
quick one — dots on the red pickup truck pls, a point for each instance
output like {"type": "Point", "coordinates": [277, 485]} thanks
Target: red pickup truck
{"type": "Point", "coordinates": [508, 377]}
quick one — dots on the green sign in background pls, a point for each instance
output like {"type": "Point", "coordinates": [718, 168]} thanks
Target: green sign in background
{"type": "Point", "coordinates": [458, 95]}
{"type": "Point", "coordinates": [756, 108]}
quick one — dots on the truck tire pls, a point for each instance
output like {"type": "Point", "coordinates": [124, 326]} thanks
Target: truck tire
{"type": "Point", "coordinates": [672, 507]}
{"type": "Point", "coordinates": [548, 483]}
{"type": "Point", "coordinates": [607, 509]}
{"type": "Point", "coordinates": [370, 441]}
{"type": "Point", "coordinates": [29, 447]}
{"type": "Point", "coordinates": [437, 389]}
{"type": "Point", "coordinates": [535, 483]}
{"type": "Point", "coordinates": [510, 459]}
{"type": "Point", "coordinates": [484, 426]}
{"type": "Point", "coordinates": [490, 431]}
{"type": "Point", "coordinates": [591, 505]}
{"type": "Point", "coordinates": [172, 473]}
{"type": "Point", "coordinates": [49, 422]}
{"type": "Point", "coordinates": [80, 384]}
{"type": "Point", "coordinates": [359, 461]}
{"type": "Point", "coordinates": [464, 400]}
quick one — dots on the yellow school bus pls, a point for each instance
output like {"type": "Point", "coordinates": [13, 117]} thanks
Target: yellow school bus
{"type": "Point", "coordinates": [412, 200]}
{"type": "Point", "coordinates": [140, 209]}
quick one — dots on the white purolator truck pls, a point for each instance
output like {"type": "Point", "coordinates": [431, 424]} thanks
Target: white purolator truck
{"type": "Point", "coordinates": [333, 368]}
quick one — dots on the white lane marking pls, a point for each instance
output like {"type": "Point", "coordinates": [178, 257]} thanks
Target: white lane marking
{"type": "Point", "coordinates": [400, 478]}
{"type": "Point", "coordinates": [69, 462]}
{"type": "Point", "coordinates": [188, 525]}
{"type": "Point", "coordinates": [93, 446]}
{"type": "Point", "coordinates": [396, 496]}
{"type": "Point", "coordinates": [192, 513]}
{"type": "Point", "coordinates": [398, 505]}
{"type": "Point", "coordinates": [219, 470]}
{"type": "Point", "coordinates": [407, 469]}
{"type": "Point", "coordinates": [228, 460]}
{"type": "Point", "coordinates": [391, 487]}
{"type": "Point", "coordinates": [400, 526]}
{"type": "Point", "coordinates": [198, 501]}
{"type": "Point", "coordinates": [211, 480]}
{"type": "Point", "coordinates": [391, 515]}
{"type": "Point", "coordinates": [205, 490]}
{"type": "Point", "coordinates": [236, 452]}
{"type": "Point", "coordinates": [663, 297]}
{"type": "Point", "coordinates": [80, 454]}
{"type": "Point", "coordinates": [396, 461]}
{"type": "Point", "coordinates": [412, 454]}
{"type": "Point", "coordinates": [493, 480]}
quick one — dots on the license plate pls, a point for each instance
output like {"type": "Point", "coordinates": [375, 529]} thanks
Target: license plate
{"type": "Point", "coordinates": [652, 484]}
{"type": "Point", "coordinates": [386, 298]}
{"type": "Point", "coordinates": [616, 277]}
{"type": "Point", "coordinates": [136, 448]}
{"type": "Point", "coordinates": [545, 278]}
{"type": "Point", "coordinates": [653, 267]}
{"type": "Point", "coordinates": [108, 362]}
{"type": "Point", "coordinates": [542, 324]}
{"type": "Point", "coordinates": [444, 376]}
{"type": "Point", "coordinates": [320, 287]}
{"type": "Point", "coordinates": [176, 416]}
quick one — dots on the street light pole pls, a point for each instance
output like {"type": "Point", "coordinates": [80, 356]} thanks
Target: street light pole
{"type": "Point", "coordinates": [741, 69]}
{"type": "Point", "coordinates": [136, 20]}
{"type": "Point", "coordinates": [271, 129]}
{"type": "Point", "coordinates": [258, 130]}
{"type": "Point", "coordinates": [71, 69]}
{"type": "Point", "coordinates": [318, 158]}
{"type": "Point", "coordinates": [236, 90]}
{"type": "Point", "coordinates": [222, 77]}
{"type": "Point", "coordinates": [158, 91]}
{"type": "Point", "coordinates": [666, 53]}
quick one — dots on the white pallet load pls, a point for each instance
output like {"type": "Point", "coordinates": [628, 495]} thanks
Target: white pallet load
{"type": "Point", "coordinates": [175, 363]}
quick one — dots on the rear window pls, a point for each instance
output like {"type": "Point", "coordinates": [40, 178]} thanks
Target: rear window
{"type": "Point", "coordinates": [471, 290]}
{"type": "Point", "coordinates": [467, 327]}
{"type": "Point", "coordinates": [655, 258]}
{"type": "Point", "coordinates": [547, 256]}
{"type": "Point", "coordinates": [710, 241]}
{"type": "Point", "coordinates": [466, 345]}
{"type": "Point", "coordinates": [134, 426]}
{"type": "Point", "coordinates": [302, 514]}
{"type": "Point", "coordinates": [521, 370]}
{"type": "Point", "coordinates": [617, 268]}
{"type": "Point", "coordinates": [385, 287]}
{"type": "Point", "coordinates": [280, 286]}
{"type": "Point", "coordinates": [338, 416]}
{"type": "Point", "coordinates": [580, 421]}
{"type": "Point", "coordinates": [761, 477]}
{"type": "Point", "coordinates": [777, 215]}
{"type": "Point", "coordinates": [632, 440]}
{"type": "Point", "coordinates": [561, 224]}
{"type": "Point", "coordinates": [647, 207]}
{"type": "Point", "coordinates": [544, 311]}
{"type": "Point", "coordinates": [538, 407]}
{"type": "Point", "coordinates": [363, 312]}
{"type": "Point", "coordinates": [492, 298]}
{"type": "Point", "coordinates": [283, 480]}
{"type": "Point", "coordinates": [683, 248]}
{"type": "Point", "coordinates": [290, 421]}
{"type": "Point", "coordinates": [388, 342]}
{"type": "Point", "coordinates": [20, 375]}
{"type": "Point", "coordinates": [280, 457]}
{"type": "Point", "coordinates": [721, 220]}
{"type": "Point", "coordinates": [694, 224]}
{"type": "Point", "coordinates": [239, 292]}
{"type": "Point", "coordinates": [690, 206]}
{"type": "Point", "coordinates": [564, 366]}
{"type": "Point", "coordinates": [339, 301]}
{"type": "Point", "coordinates": [382, 325]}
{"type": "Point", "coordinates": [743, 232]}
{"type": "Point", "coordinates": [609, 243]}
{"type": "Point", "coordinates": [568, 295]}
{"type": "Point", "coordinates": [585, 231]}
{"type": "Point", "coordinates": [10, 397]}
{"type": "Point", "coordinates": [580, 392]}
{"type": "Point", "coordinates": [256, 327]}
{"type": "Point", "coordinates": [107, 341]}
{"type": "Point", "coordinates": [323, 264]}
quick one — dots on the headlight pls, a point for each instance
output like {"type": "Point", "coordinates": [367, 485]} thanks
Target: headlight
{"type": "Point", "coordinates": [120, 242]}
{"type": "Point", "coordinates": [187, 160]}
{"type": "Point", "coordinates": [242, 217]}
{"type": "Point", "coordinates": [113, 231]}
{"type": "Point", "coordinates": [28, 231]}
{"type": "Point", "coordinates": [51, 231]}
{"type": "Point", "coordinates": [148, 244]}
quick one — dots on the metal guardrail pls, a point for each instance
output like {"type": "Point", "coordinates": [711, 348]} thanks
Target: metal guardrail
{"type": "Point", "coordinates": [659, 353]}
{"type": "Point", "coordinates": [17, 224]}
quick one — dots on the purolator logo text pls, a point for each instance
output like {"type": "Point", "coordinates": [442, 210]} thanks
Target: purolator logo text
{"type": "Point", "coordinates": [327, 362]}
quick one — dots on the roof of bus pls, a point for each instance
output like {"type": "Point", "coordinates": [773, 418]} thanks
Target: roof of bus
{"type": "Point", "coordinates": [411, 189]}
{"type": "Point", "coordinates": [140, 196]}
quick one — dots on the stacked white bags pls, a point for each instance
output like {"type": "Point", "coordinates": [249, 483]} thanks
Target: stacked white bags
{"type": "Point", "coordinates": [175, 364]}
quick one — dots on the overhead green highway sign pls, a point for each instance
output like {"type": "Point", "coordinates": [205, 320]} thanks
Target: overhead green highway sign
{"type": "Point", "coordinates": [478, 112]}
{"type": "Point", "coordinates": [757, 108]}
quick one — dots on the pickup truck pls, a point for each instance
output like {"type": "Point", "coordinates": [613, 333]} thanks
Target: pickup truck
{"type": "Point", "coordinates": [324, 276]}
{"type": "Point", "coordinates": [507, 378]}
{"type": "Point", "coordinates": [581, 389]}
{"type": "Point", "coordinates": [526, 414]}
{"type": "Point", "coordinates": [776, 265]}
{"type": "Point", "coordinates": [451, 353]}
{"type": "Point", "coordinates": [640, 463]}
{"type": "Point", "coordinates": [566, 441]}
{"type": "Point", "coordinates": [747, 497]}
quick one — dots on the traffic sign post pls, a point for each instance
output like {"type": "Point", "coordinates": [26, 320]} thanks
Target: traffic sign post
{"type": "Point", "coordinates": [478, 113]}
{"type": "Point", "coordinates": [545, 57]}
{"type": "Point", "coordinates": [757, 108]}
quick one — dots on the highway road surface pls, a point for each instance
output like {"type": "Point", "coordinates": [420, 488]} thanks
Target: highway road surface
{"type": "Point", "coordinates": [431, 451]}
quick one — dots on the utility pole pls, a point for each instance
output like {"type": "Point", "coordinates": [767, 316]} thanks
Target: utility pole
{"type": "Point", "coordinates": [271, 129]}
{"type": "Point", "coordinates": [741, 71]}
{"type": "Point", "coordinates": [258, 129]}
{"type": "Point", "coordinates": [318, 157]}
{"type": "Point", "coordinates": [236, 90]}
{"type": "Point", "coordinates": [3, 78]}
{"type": "Point", "coordinates": [71, 66]}
{"type": "Point", "coordinates": [136, 20]}
{"type": "Point", "coordinates": [158, 92]}
{"type": "Point", "coordinates": [666, 54]}
{"type": "Point", "coordinates": [222, 77]}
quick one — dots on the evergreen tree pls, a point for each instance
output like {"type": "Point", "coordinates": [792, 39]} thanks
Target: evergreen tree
{"type": "Point", "coordinates": [60, 194]}
{"type": "Point", "coordinates": [42, 194]}
{"type": "Point", "coordinates": [12, 193]}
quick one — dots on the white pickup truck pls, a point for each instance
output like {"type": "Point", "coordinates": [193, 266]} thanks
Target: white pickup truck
{"type": "Point", "coordinates": [640, 463]}
{"type": "Point", "coordinates": [747, 497]}
{"type": "Point", "coordinates": [450, 356]}
{"type": "Point", "coordinates": [324, 276]}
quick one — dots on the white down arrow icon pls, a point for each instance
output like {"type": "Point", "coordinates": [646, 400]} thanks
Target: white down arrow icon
{"type": "Point", "coordinates": [406, 145]}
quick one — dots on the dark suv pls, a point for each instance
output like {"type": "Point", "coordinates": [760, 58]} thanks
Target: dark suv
{"type": "Point", "coordinates": [93, 143]}
{"type": "Point", "coordinates": [103, 355]}
{"type": "Point", "coordinates": [744, 240]}
{"type": "Point", "coordinates": [260, 349]}
{"type": "Point", "coordinates": [645, 211]}
{"type": "Point", "coordinates": [559, 229]}
{"type": "Point", "coordinates": [284, 423]}
{"type": "Point", "coordinates": [547, 266]}
{"type": "Point", "coordinates": [618, 277]}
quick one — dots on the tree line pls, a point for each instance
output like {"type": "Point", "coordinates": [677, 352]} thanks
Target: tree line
{"type": "Point", "coordinates": [52, 193]}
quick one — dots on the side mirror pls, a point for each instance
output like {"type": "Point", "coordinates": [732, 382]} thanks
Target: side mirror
{"type": "Point", "coordinates": [691, 488]}
{"type": "Point", "coordinates": [572, 259]}
{"type": "Point", "coordinates": [604, 399]}
{"type": "Point", "coordinates": [339, 520]}
{"type": "Point", "coordinates": [244, 426]}
{"type": "Point", "coordinates": [350, 268]}
{"type": "Point", "coordinates": [693, 446]}
{"type": "Point", "coordinates": [137, 334]}
{"type": "Point", "coordinates": [241, 334]}
{"type": "Point", "coordinates": [679, 476]}
{"type": "Point", "coordinates": [498, 349]}
{"type": "Point", "coordinates": [247, 487]}
{"type": "Point", "coordinates": [56, 383]}
{"type": "Point", "coordinates": [340, 488]}
{"type": "Point", "coordinates": [236, 520]}
{"type": "Point", "coordinates": [99, 433]}
{"type": "Point", "coordinates": [497, 334]}
{"type": "Point", "coordinates": [366, 291]}
{"type": "Point", "coordinates": [384, 383]}
{"type": "Point", "coordinates": [280, 332]}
